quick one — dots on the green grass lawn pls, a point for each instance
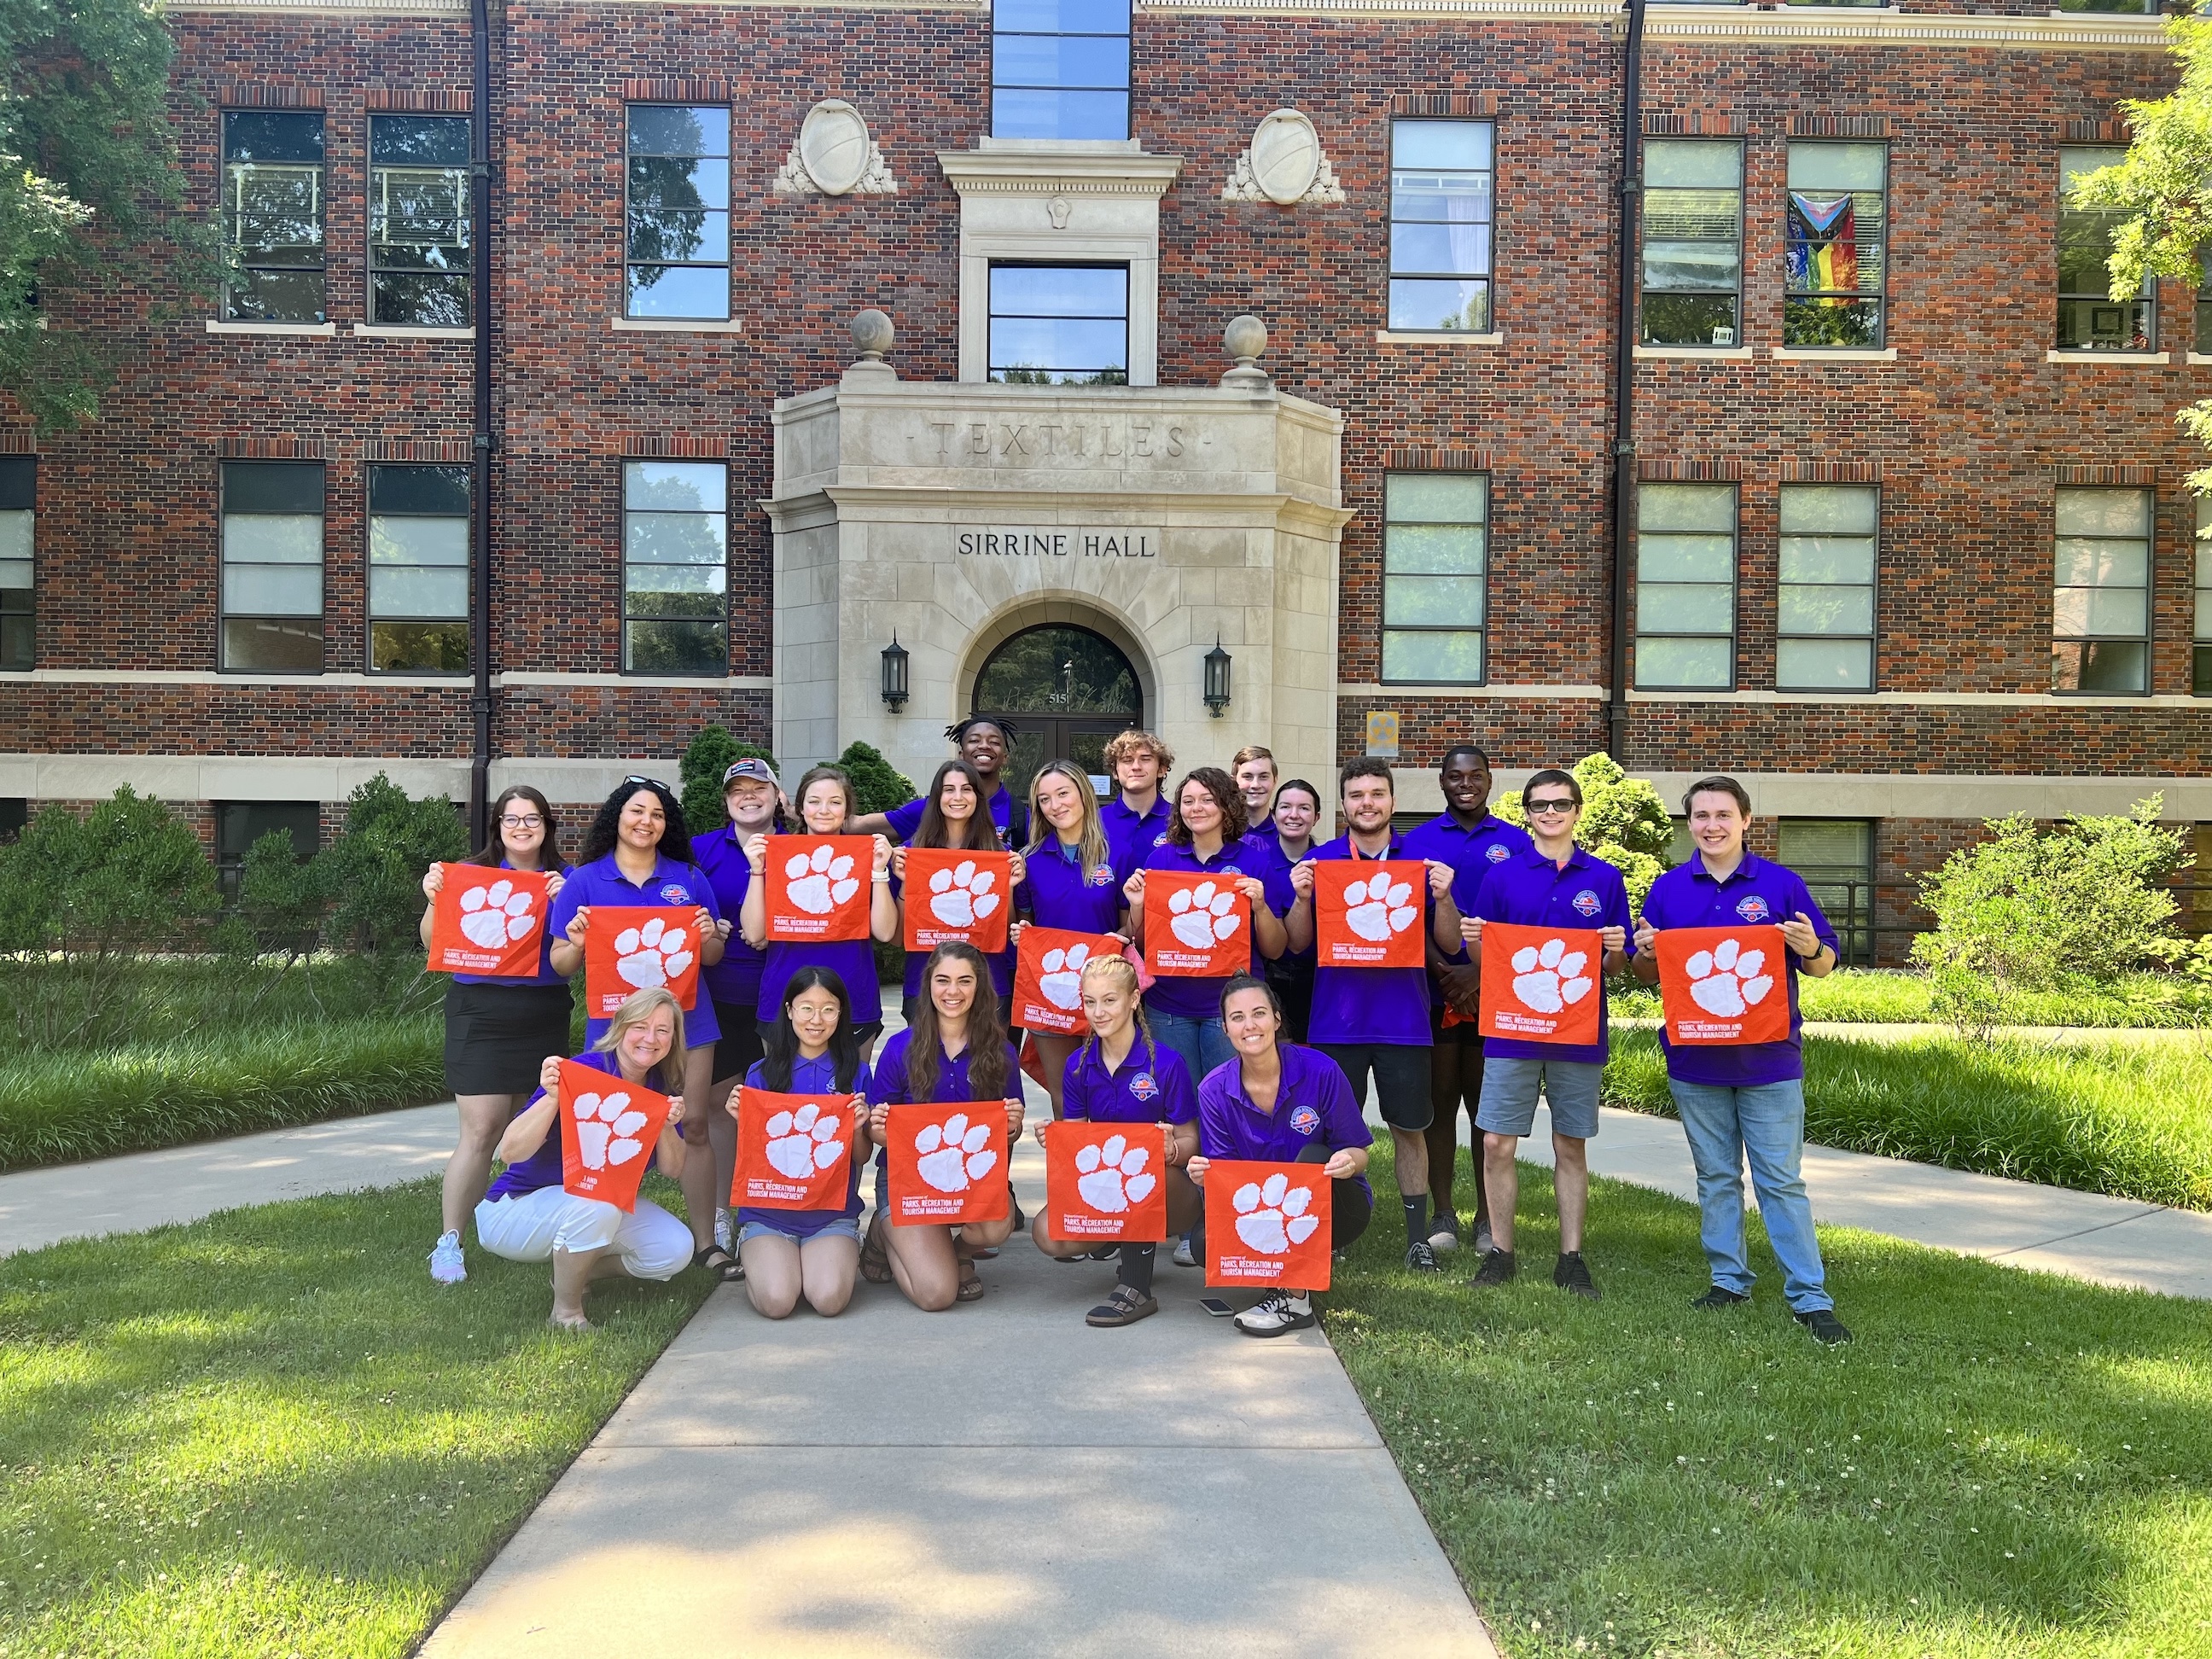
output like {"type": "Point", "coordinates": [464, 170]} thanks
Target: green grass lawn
{"type": "Point", "coordinates": [2004, 1466]}
{"type": "Point", "coordinates": [269, 1432]}
{"type": "Point", "coordinates": [2133, 1120]}
{"type": "Point", "coordinates": [1864, 996]}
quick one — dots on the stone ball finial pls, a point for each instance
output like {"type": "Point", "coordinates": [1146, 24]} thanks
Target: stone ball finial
{"type": "Point", "coordinates": [873, 335]}
{"type": "Point", "coordinates": [1245, 338]}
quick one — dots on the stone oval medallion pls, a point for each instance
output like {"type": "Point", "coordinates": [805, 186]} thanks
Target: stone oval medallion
{"type": "Point", "coordinates": [833, 146]}
{"type": "Point", "coordinates": [1286, 156]}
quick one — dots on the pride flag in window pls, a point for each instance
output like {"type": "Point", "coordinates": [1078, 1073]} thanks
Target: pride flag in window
{"type": "Point", "coordinates": [1824, 257]}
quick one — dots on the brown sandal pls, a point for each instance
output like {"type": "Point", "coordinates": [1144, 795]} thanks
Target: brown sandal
{"type": "Point", "coordinates": [971, 1283]}
{"type": "Point", "coordinates": [875, 1258]}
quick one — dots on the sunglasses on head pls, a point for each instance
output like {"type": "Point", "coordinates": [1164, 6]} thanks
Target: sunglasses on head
{"type": "Point", "coordinates": [1550, 804]}
{"type": "Point", "coordinates": [650, 783]}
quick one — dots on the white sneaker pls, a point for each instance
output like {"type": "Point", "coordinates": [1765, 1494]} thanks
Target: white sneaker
{"type": "Point", "coordinates": [1483, 1241]}
{"type": "Point", "coordinates": [1182, 1257]}
{"type": "Point", "coordinates": [1277, 1314]}
{"type": "Point", "coordinates": [724, 1232]}
{"type": "Point", "coordinates": [1443, 1233]}
{"type": "Point", "coordinates": [447, 1264]}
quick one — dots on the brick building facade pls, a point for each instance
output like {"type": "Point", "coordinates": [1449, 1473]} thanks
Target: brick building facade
{"type": "Point", "coordinates": [1993, 467]}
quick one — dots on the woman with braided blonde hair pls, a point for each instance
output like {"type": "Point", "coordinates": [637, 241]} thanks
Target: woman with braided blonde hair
{"type": "Point", "coordinates": [1120, 1075]}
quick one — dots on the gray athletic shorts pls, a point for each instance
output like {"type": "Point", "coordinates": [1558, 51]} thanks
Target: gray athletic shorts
{"type": "Point", "coordinates": [1510, 1087]}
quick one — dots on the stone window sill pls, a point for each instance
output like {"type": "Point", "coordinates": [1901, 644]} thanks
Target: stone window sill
{"type": "Point", "coordinates": [2106, 356]}
{"type": "Point", "coordinates": [1438, 337]}
{"type": "Point", "coordinates": [319, 331]}
{"type": "Point", "coordinates": [1817, 355]}
{"type": "Point", "coordinates": [1710, 354]}
{"type": "Point", "coordinates": [675, 326]}
{"type": "Point", "coordinates": [2198, 357]}
{"type": "Point", "coordinates": [408, 332]}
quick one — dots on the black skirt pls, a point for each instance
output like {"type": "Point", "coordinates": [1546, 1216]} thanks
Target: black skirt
{"type": "Point", "coordinates": [497, 1037]}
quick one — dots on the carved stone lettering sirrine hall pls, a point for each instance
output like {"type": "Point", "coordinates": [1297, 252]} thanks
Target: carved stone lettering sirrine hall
{"type": "Point", "coordinates": [1059, 543]}
{"type": "Point", "coordinates": [1030, 442]}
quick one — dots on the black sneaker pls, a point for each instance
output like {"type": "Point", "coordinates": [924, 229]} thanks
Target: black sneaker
{"type": "Point", "coordinates": [1719, 1296]}
{"type": "Point", "coordinates": [1827, 1330]}
{"type": "Point", "coordinates": [1496, 1268]}
{"type": "Point", "coordinates": [1443, 1233]}
{"type": "Point", "coordinates": [1420, 1259]}
{"type": "Point", "coordinates": [1571, 1274]}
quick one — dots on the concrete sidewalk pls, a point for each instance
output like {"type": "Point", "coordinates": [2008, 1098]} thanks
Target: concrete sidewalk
{"type": "Point", "coordinates": [995, 1479]}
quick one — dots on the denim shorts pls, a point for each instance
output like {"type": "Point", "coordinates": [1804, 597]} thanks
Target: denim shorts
{"type": "Point", "coordinates": [844, 1226]}
{"type": "Point", "coordinates": [1510, 1086]}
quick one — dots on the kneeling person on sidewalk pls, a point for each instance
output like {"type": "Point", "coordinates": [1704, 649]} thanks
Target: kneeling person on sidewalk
{"type": "Point", "coordinates": [528, 1215]}
{"type": "Point", "coordinates": [1555, 884]}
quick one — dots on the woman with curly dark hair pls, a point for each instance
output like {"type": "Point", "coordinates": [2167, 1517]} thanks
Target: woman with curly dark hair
{"type": "Point", "coordinates": [1204, 835]}
{"type": "Point", "coordinates": [638, 852]}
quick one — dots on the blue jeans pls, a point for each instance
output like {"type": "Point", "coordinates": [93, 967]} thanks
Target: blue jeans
{"type": "Point", "coordinates": [1764, 1123]}
{"type": "Point", "coordinates": [1201, 1042]}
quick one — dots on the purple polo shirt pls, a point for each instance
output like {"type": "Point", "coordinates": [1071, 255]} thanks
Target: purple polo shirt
{"type": "Point", "coordinates": [1758, 892]}
{"type": "Point", "coordinates": [736, 978]}
{"type": "Point", "coordinates": [887, 1086]}
{"type": "Point", "coordinates": [542, 1168]}
{"type": "Point", "coordinates": [600, 883]}
{"type": "Point", "coordinates": [1201, 999]}
{"type": "Point", "coordinates": [1058, 892]}
{"type": "Point", "coordinates": [1584, 892]}
{"type": "Point", "coordinates": [1471, 853]}
{"type": "Point", "coordinates": [1130, 838]}
{"type": "Point", "coordinates": [1009, 814]}
{"type": "Point", "coordinates": [1313, 1103]}
{"type": "Point", "coordinates": [808, 1076]}
{"type": "Point", "coordinates": [853, 960]}
{"type": "Point", "coordinates": [1152, 1086]}
{"type": "Point", "coordinates": [1372, 1005]}
{"type": "Point", "coordinates": [544, 976]}
{"type": "Point", "coordinates": [1275, 877]}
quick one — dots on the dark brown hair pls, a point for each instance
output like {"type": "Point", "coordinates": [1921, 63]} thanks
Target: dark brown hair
{"type": "Point", "coordinates": [549, 853]}
{"type": "Point", "coordinates": [1226, 795]}
{"type": "Point", "coordinates": [981, 835]}
{"type": "Point", "coordinates": [1552, 774]}
{"type": "Point", "coordinates": [1714, 786]}
{"type": "Point", "coordinates": [987, 1034]}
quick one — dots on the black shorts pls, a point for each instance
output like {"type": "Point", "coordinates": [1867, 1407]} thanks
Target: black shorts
{"type": "Point", "coordinates": [739, 1044]}
{"type": "Point", "coordinates": [498, 1036]}
{"type": "Point", "coordinates": [1401, 1078]}
{"type": "Point", "coordinates": [1465, 1033]}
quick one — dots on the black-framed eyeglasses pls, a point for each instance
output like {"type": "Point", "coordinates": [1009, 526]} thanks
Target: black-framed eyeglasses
{"type": "Point", "coordinates": [650, 783]}
{"type": "Point", "coordinates": [1561, 805]}
{"type": "Point", "coordinates": [530, 822]}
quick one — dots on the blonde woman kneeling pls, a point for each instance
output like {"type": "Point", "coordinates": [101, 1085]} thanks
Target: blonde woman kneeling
{"type": "Point", "coordinates": [527, 1216]}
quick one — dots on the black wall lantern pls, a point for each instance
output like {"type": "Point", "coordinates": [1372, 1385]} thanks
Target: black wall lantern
{"type": "Point", "coordinates": [895, 683]}
{"type": "Point", "coordinates": [1217, 679]}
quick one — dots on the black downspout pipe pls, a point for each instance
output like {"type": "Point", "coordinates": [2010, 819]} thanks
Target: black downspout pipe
{"type": "Point", "coordinates": [1624, 382]}
{"type": "Point", "coordinates": [480, 454]}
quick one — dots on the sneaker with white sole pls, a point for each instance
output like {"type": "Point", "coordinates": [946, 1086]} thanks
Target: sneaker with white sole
{"type": "Point", "coordinates": [1443, 1233]}
{"type": "Point", "coordinates": [447, 1266]}
{"type": "Point", "coordinates": [1182, 1257]}
{"type": "Point", "coordinates": [1276, 1313]}
{"type": "Point", "coordinates": [1484, 1244]}
{"type": "Point", "coordinates": [1421, 1259]}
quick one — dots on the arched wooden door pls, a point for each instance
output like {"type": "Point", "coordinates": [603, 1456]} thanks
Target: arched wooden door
{"type": "Point", "coordinates": [1068, 690]}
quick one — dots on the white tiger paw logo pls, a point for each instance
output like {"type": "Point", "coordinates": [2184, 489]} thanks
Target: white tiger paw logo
{"type": "Point", "coordinates": [1271, 1216]}
{"type": "Point", "coordinates": [1198, 915]}
{"type": "Point", "coordinates": [651, 955]}
{"type": "Point", "coordinates": [1726, 980]}
{"type": "Point", "coordinates": [801, 1142]}
{"type": "Point", "coordinates": [1550, 977]}
{"type": "Point", "coordinates": [606, 1130]}
{"type": "Point", "coordinates": [952, 1154]}
{"type": "Point", "coordinates": [822, 880]}
{"type": "Point", "coordinates": [1378, 907]}
{"type": "Point", "coordinates": [1061, 981]}
{"type": "Point", "coordinates": [961, 896]}
{"type": "Point", "coordinates": [1111, 1175]}
{"type": "Point", "coordinates": [494, 916]}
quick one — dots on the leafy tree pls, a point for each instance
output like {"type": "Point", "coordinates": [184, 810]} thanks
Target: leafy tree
{"type": "Point", "coordinates": [699, 784]}
{"type": "Point", "coordinates": [2030, 909]}
{"type": "Point", "coordinates": [89, 183]}
{"type": "Point", "coordinates": [281, 900]}
{"type": "Point", "coordinates": [373, 872]}
{"type": "Point", "coordinates": [1623, 822]}
{"type": "Point", "coordinates": [877, 785]}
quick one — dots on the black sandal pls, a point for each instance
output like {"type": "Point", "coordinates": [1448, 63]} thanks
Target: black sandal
{"type": "Point", "coordinates": [875, 1258]}
{"type": "Point", "coordinates": [1124, 1305]}
{"type": "Point", "coordinates": [729, 1269]}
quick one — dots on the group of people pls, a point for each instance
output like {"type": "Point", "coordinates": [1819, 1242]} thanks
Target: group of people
{"type": "Point", "coordinates": [1271, 1060]}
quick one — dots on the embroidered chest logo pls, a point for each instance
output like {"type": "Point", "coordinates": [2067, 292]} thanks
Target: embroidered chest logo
{"type": "Point", "coordinates": [1304, 1120]}
{"type": "Point", "coordinates": [1496, 853]}
{"type": "Point", "coordinates": [1142, 1087]}
{"type": "Point", "coordinates": [675, 892]}
{"type": "Point", "coordinates": [1751, 908]}
{"type": "Point", "coordinates": [1101, 876]}
{"type": "Point", "coordinates": [1585, 903]}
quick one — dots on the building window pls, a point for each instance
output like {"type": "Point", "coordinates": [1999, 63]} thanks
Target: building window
{"type": "Point", "coordinates": [418, 569]}
{"type": "Point", "coordinates": [419, 220]}
{"type": "Point", "coordinates": [2200, 674]}
{"type": "Point", "coordinates": [272, 566]}
{"type": "Point", "coordinates": [676, 553]}
{"type": "Point", "coordinates": [1060, 325]}
{"type": "Point", "coordinates": [240, 824]}
{"type": "Point", "coordinates": [678, 211]}
{"type": "Point", "coordinates": [1693, 241]}
{"type": "Point", "coordinates": [1436, 559]}
{"type": "Point", "coordinates": [14, 817]}
{"type": "Point", "coordinates": [1060, 68]}
{"type": "Point", "coordinates": [1685, 585]}
{"type": "Point", "coordinates": [19, 489]}
{"type": "Point", "coordinates": [2100, 606]}
{"type": "Point", "coordinates": [1441, 179]}
{"type": "Point", "coordinates": [273, 214]}
{"type": "Point", "coordinates": [1839, 230]}
{"type": "Point", "coordinates": [1824, 609]}
{"type": "Point", "coordinates": [2089, 318]}
{"type": "Point", "coordinates": [1835, 856]}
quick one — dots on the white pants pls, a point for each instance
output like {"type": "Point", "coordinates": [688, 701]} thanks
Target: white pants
{"type": "Point", "coordinates": [530, 1227]}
